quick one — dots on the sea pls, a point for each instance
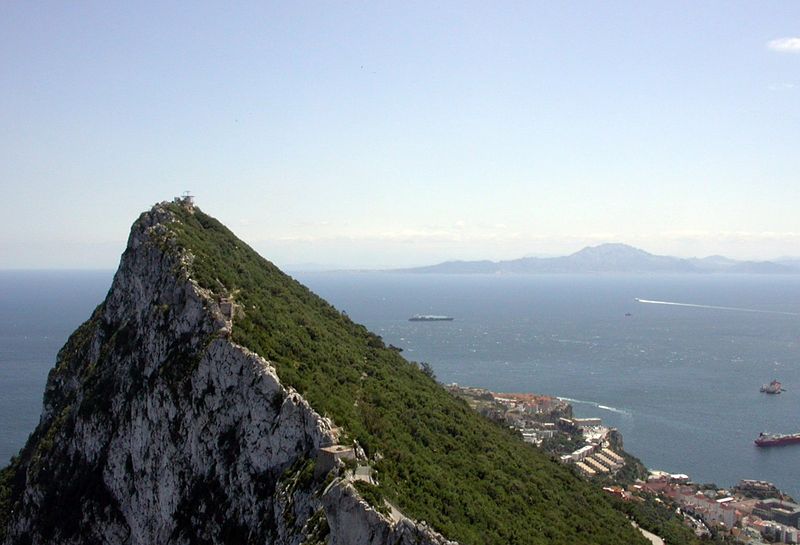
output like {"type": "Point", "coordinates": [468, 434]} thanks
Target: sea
{"type": "Point", "coordinates": [675, 362]}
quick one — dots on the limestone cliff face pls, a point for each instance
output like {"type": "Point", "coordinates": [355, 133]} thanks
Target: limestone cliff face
{"type": "Point", "coordinates": [157, 428]}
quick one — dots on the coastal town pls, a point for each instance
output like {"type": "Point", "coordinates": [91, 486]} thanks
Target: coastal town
{"type": "Point", "coordinates": [547, 422]}
{"type": "Point", "coordinates": [753, 512]}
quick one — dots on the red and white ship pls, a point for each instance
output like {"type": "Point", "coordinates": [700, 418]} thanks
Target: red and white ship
{"type": "Point", "coordinates": [776, 439]}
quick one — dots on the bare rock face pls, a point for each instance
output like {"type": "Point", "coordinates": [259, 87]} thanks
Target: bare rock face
{"type": "Point", "coordinates": [351, 520]}
{"type": "Point", "coordinates": [157, 428]}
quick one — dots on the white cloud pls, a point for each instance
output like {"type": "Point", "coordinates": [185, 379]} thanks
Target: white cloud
{"type": "Point", "coordinates": [735, 236]}
{"type": "Point", "coordinates": [568, 240]}
{"type": "Point", "coordinates": [785, 45]}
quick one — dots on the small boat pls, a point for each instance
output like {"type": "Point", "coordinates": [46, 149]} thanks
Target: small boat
{"type": "Point", "coordinates": [430, 318]}
{"type": "Point", "coordinates": [773, 387]}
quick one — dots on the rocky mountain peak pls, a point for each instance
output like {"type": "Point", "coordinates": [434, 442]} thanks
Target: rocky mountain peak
{"type": "Point", "coordinates": [611, 249]}
{"type": "Point", "coordinates": [198, 402]}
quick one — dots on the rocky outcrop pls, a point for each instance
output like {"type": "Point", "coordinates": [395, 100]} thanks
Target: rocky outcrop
{"type": "Point", "coordinates": [157, 428]}
{"type": "Point", "coordinates": [352, 520]}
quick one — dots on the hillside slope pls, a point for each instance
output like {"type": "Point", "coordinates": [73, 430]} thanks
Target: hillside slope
{"type": "Point", "coordinates": [165, 422]}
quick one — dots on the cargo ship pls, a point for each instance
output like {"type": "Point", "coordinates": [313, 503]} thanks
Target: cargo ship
{"type": "Point", "coordinates": [430, 318]}
{"type": "Point", "coordinates": [776, 439]}
{"type": "Point", "coordinates": [773, 387]}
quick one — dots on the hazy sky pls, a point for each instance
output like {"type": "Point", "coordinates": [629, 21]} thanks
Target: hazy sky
{"type": "Point", "coordinates": [386, 134]}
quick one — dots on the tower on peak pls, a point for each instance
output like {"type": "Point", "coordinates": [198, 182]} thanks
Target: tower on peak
{"type": "Point", "coordinates": [186, 199]}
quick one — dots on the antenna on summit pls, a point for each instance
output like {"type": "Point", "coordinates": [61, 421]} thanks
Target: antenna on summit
{"type": "Point", "coordinates": [186, 199]}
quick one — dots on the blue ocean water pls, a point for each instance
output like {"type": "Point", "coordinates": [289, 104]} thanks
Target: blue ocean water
{"type": "Point", "coordinates": [38, 311]}
{"type": "Point", "coordinates": [680, 382]}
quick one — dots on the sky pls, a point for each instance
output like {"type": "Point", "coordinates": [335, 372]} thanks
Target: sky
{"type": "Point", "coordinates": [377, 134]}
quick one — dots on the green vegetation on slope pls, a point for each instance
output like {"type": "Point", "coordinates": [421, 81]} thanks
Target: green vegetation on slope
{"type": "Point", "coordinates": [657, 517]}
{"type": "Point", "coordinates": [470, 479]}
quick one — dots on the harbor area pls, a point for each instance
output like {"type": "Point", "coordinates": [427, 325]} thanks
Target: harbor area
{"type": "Point", "coordinates": [754, 512]}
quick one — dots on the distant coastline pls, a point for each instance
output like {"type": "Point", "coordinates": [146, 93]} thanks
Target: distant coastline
{"type": "Point", "coordinates": [612, 258]}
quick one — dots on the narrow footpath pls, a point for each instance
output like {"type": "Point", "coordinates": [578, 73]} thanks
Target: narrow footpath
{"type": "Point", "coordinates": [654, 539]}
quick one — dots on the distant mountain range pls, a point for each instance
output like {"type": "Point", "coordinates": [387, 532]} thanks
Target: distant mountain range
{"type": "Point", "coordinates": [613, 258]}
